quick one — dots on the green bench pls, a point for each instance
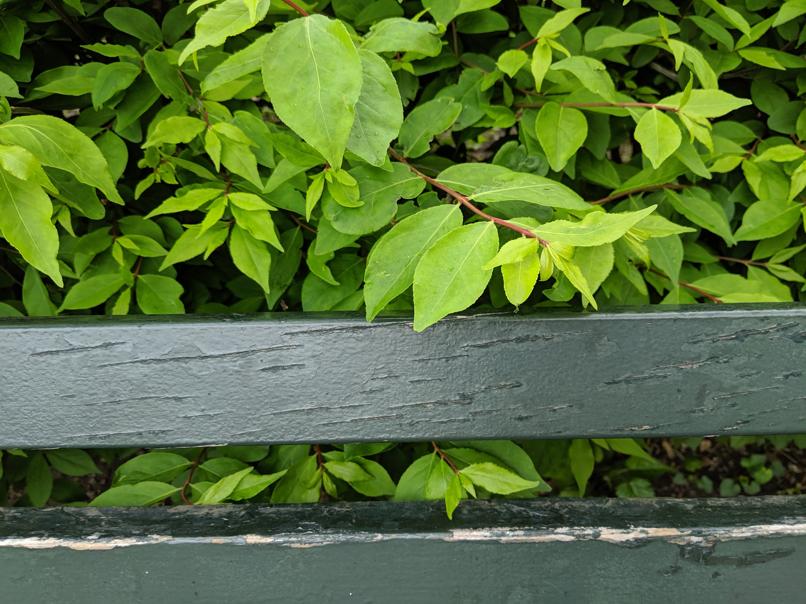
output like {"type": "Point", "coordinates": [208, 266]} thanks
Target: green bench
{"type": "Point", "coordinates": [97, 382]}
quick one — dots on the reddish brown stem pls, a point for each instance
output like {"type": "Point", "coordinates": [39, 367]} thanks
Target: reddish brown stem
{"type": "Point", "coordinates": [191, 472]}
{"type": "Point", "coordinates": [742, 261]}
{"type": "Point", "coordinates": [628, 192]}
{"type": "Point", "coordinates": [444, 457]}
{"type": "Point", "coordinates": [690, 287]}
{"type": "Point", "coordinates": [528, 44]}
{"type": "Point", "coordinates": [297, 7]}
{"type": "Point", "coordinates": [467, 203]}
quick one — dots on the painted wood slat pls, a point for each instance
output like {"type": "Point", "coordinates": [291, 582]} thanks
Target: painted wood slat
{"type": "Point", "coordinates": [750, 550]}
{"type": "Point", "coordinates": [97, 382]}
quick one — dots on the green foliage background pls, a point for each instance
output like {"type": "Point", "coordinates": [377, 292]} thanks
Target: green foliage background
{"type": "Point", "coordinates": [386, 156]}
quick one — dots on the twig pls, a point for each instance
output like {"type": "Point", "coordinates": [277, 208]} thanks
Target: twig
{"type": "Point", "coordinates": [690, 286]}
{"type": "Point", "coordinates": [297, 7]}
{"type": "Point", "coordinates": [467, 203]}
{"type": "Point", "coordinates": [614, 196]}
{"type": "Point", "coordinates": [191, 472]}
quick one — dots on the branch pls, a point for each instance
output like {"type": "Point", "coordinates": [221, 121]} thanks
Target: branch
{"type": "Point", "coordinates": [297, 7]}
{"type": "Point", "coordinates": [613, 197]}
{"type": "Point", "coordinates": [466, 202]}
{"type": "Point", "coordinates": [691, 287]}
{"type": "Point", "coordinates": [528, 44]}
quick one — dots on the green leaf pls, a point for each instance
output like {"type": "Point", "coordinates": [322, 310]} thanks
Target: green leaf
{"type": "Point", "coordinates": [561, 132]}
{"type": "Point", "coordinates": [72, 462]}
{"type": "Point", "coordinates": [705, 103]}
{"type": "Point", "coordinates": [236, 65]}
{"type": "Point", "coordinates": [251, 256]}
{"type": "Point", "coordinates": [186, 201]}
{"type": "Point", "coordinates": [228, 18]}
{"type": "Point", "coordinates": [111, 79]}
{"type": "Point", "coordinates": [403, 35]}
{"type": "Point", "coordinates": [595, 263]}
{"type": "Point", "coordinates": [378, 113]}
{"type": "Point", "coordinates": [222, 489]}
{"type": "Point", "coordinates": [413, 482]}
{"type": "Point", "coordinates": [8, 87]}
{"type": "Point", "coordinates": [135, 495]}
{"type": "Point", "coordinates": [159, 295]}
{"type": "Point", "coordinates": [92, 291]}
{"type": "Point", "coordinates": [424, 122]}
{"type": "Point", "coordinates": [696, 205]}
{"type": "Point", "coordinates": [12, 33]}
{"type": "Point", "coordinates": [193, 242]}
{"type": "Point", "coordinates": [658, 135]}
{"type": "Point", "coordinates": [497, 479]}
{"type": "Point", "coordinates": [667, 255]}
{"type": "Point", "coordinates": [511, 61]}
{"type": "Point", "coordinates": [38, 480]}
{"type": "Point", "coordinates": [379, 191]}
{"type": "Point", "coordinates": [394, 258]}
{"type": "Point", "coordinates": [580, 455]}
{"type": "Point", "coordinates": [379, 484]}
{"type": "Point", "coordinates": [25, 211]}
{"type": "Point", "coordinates": [490, 183]}
{"type": "Point", "coordinates": [314, 54]}
{"type": "Point", "coordinates": [252, 485]}
{"type": "Point", "coordinates": [349, 471]}
{"type": "Point", "coordinates": [159, 466]}
{"type": "Point", "coordinates": [596, 228]}
{"type": "Point", "coordinates": [450, 275]}
{"type": "Point", "coordinates": [767, 218]}
{"type": "Point", "coordinates": [57, 144]}
{"type": "Point", "coordinates": [520, 278]}
{"type": "Point", "coordinates": [175, 130]}
{"type": "Point", "coordinates": [35, 296]}
{"type": "Point", "coordinates": [592, 74]}
{"type": "Point", "coordinates": [560, 21]}
{"type": "Point", "coordinates": [136, 23]}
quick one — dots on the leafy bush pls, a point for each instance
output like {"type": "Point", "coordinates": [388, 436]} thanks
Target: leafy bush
{"type": "Point", "coordinates": [407, 156]}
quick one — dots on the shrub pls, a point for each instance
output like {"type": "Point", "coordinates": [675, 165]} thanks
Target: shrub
{"type": "Point", "coordinates": [394, 156]}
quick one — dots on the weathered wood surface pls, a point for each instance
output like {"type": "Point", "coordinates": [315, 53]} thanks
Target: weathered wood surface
{"type": "Point", "coordinates": [289, 378]}
{"type": "Point", "coordinates": [618, 551]}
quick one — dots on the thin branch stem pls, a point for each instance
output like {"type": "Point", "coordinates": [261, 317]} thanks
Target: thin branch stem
{"type": "Point", "coordinates": [614, 196]}
{"type": "Point", "coordinates": [297, 7]}
{"type": "Point", "coordinates": [526, 45]}
{"type": "Point", "coordinates": [742, 261]}
{"type": "Point", "coordinates": [444, 457]}
{"type": "Point", "coordinates": [191, 472]}
{"type": "Point", "coordinates": [467, 203]}
{"type": "Point", "coordinates": [690, 287]}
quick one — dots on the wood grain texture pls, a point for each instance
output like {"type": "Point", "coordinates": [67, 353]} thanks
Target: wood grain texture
{"type": "Point", "coordinates": [617, 551]}
{"type": "Point", "coordinates": [97, 382]}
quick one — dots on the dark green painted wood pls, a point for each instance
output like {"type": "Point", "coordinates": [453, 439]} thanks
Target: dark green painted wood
{"type": "Point", "coordinates": [285, 378]}
{"type": "Point", "coordinates": [751, 550]}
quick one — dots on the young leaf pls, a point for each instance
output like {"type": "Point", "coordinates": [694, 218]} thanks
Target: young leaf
{"type": "Point", "coordinates": [561, 131]}
{"type": "Point", "coordinates": [497, 479]}
{"type": "Point", "coordinates": [227, 19]}
{"type": "Point", "coordinates": [450, 275]}
{"type": "Point", "coordinates": [596, 228]}
{"type": "Point", "coordinates": [159, 466]}
{"type": "Point", "coordinates": [158, 294]}
{"type": "Point", "coordinates": [658, 135]}
{"type": "Point", "coordinates": [251, 256]}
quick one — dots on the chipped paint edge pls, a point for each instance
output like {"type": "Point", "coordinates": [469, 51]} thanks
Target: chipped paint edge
{"type": "Point", "coordinates": [629, 536]}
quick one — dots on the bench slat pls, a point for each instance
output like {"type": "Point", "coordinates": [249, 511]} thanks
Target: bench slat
{"type": "Point", "coordinates": [751, 550]}
{"type": "Point", "coordinates": [96, 382]}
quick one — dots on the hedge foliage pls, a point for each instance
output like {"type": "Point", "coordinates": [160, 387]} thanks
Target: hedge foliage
{"type": "Point", "coordinates": [425, 157]}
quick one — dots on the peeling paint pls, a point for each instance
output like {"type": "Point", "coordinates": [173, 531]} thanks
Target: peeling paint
{"type": "Point", "coordinates": [616, 536]}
